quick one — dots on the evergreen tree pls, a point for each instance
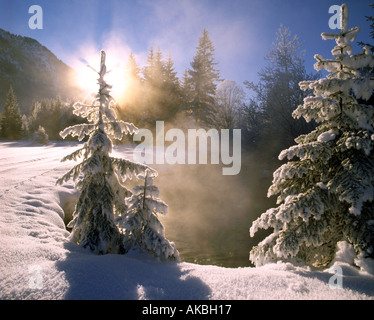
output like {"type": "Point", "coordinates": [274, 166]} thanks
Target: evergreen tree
{"type": "Point", "coordinates": [171, 92]}
{"type": "Point", "coordinates": [162, 95]}
{"type": "Point", "coordinates": [153, 71]}
{"type": "Point", "coordinates": [133, 69]}
{"type": "Point", "coordinates": [100, 177]}
{"type": "Point", "coordinates": [142, 228]}
{"type": "Point", "coordinates": [327, 194]}
{"type": "Point", "coordinates": [251, 123]}
{"type": "Point", "coordinates": [11, 121]}
{"type": "Point", "coordinates": [186, 91]}
{"type": "Point", "coordinates": [47, 114]}
{"type": "Point", "coordinates": [203, 78]}
{"type": "Point", "coordinates": [153, 79]}
{"type": "Point", "coordinates": [278, 93]}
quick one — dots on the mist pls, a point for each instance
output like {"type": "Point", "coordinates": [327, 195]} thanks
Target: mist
{"type": "Point", "coordinates": [210, 213]}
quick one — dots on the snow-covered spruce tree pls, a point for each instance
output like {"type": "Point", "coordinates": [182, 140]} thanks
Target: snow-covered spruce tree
{"type": "Point", "coordinates": [100, 177]}
{"type": "Point", "coordinates": [142, 228]}
{"type": "Point", "coordinates": [325, 191]}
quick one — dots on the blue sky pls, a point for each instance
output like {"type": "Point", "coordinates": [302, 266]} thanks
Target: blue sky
{"type": "Point", "coordinates": [241, 30]}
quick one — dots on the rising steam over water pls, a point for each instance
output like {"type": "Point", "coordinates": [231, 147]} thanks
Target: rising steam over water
{"type": "Point", "coordinates": [210, 214]}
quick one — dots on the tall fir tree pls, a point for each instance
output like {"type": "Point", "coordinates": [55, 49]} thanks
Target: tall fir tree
{"type": "Point", "coordinates": [326, 190]}
{"type": "Point", "coordinates": [11, 121]}
{"type": "Point", "coordinates": [152, 86]}
{"type": "Point", "coordinates": [171, 92]}
{"type": "Point", "coordinates": [278, 93]}
{"type": "Point", "coordinates": [186, 90]}
{"type": "Point", "coordinates": [100, 177]}
{"type": "Point", "coordinates": [133, 69]}
{"type": "Point", "coordinates": [203, 78]}
{"type": "Point", "coordinates": [153, 70]}
{"type": "Point", "coordinates": [162, 97]}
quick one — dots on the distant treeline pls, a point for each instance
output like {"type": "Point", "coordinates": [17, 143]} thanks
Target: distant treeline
{"type": "Point", "coordinates": [200, 98]}
{"type": "Point", "coordinates": [263, 110]}
{"type": "Point", "coordinates": [48, 117]}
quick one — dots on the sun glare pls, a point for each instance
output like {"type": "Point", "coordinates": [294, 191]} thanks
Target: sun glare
{"type": "Point", "coordinates": [116, 76]}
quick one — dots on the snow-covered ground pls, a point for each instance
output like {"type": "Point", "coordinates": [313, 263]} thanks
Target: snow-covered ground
{"type": "Point", "coordinates": [38, 262]}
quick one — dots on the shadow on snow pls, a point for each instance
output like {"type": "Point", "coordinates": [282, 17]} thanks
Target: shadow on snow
{"type": "Point", "coordinates": [131, 276]}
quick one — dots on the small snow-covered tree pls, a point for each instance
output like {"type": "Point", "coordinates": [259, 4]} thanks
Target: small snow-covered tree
{"type": "Point", "coordinates": [100, 177]}
{"type": "Point", "coordinates": [326, 190]}
{"type": "Point", "coordinates": [40, 136]}
{"type": "Point", "coordinates": [142, 228]}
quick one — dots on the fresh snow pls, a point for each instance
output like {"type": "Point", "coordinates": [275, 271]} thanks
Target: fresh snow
{"type": "Point", "coordinates": [327, 136]}
{"type": "Point", "coordinates": [38, 262]}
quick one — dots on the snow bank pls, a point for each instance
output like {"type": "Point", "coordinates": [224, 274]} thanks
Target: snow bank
{"type": "Point", "coordinates": [38, 262]}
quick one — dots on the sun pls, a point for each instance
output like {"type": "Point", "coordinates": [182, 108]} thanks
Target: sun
{"type": "Point", "coordinates": [116, 76]}
{"type": "Point", "coordinates": [86, 79]}
{"type": "Point", "coordinates": [118, 79]}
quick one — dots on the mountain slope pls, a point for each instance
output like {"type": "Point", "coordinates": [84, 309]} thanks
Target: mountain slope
{"type": "Point", "coordinates": [33, 71]}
